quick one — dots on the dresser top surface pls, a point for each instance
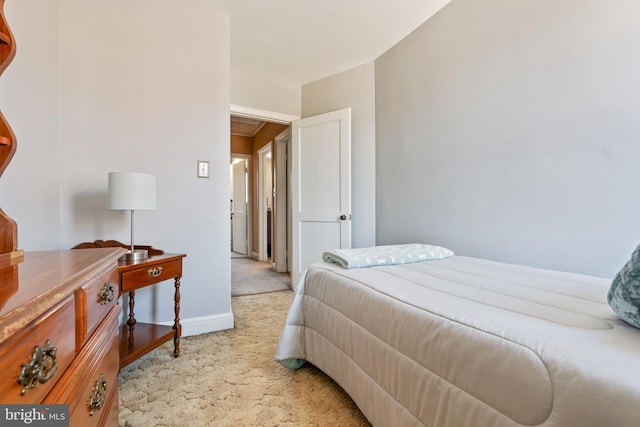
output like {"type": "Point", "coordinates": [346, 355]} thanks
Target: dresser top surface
{"type": "Point", "coordinates": [43, 279]}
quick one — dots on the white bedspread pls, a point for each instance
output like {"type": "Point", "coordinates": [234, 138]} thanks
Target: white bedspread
{"type": "Point", "coordinates": [468, 342]}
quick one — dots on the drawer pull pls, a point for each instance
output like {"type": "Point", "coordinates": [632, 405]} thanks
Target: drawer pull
{"type": "Point", "coordinates": [155, 271]}
{"type": "Point", "coordinates": [107, 293]}
{"type": "Point", "coordinates": [40, 369]}
{"type": "Point", "coordinates": [99, 395]}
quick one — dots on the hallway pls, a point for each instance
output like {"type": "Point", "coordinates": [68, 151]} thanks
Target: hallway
{"type": "Point", "coordinates": [249, 277]}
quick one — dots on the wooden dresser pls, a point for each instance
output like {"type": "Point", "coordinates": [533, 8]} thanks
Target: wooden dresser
{"type": "Point", "coordinates": [59, 332]}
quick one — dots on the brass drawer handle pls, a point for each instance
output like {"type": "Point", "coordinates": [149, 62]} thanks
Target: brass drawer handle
{"type": "Point", "coordinates": [106, 294]}
{"type": "Point", "coordinates": [97, 399]}
{"type": "Point", "coordinates": [155, 271]}
{"type": "Point", "coordinates": [40, 369]}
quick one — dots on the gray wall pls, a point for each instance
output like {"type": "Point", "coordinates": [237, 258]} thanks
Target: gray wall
{"type": "Point", "coordinates": [510, 130]}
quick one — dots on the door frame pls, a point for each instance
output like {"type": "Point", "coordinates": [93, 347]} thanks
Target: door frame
{"type": "Point", "coordinates": [282, 219]}
{"type": "Point", "coordinates": [275, 117]}
{"type": "Point", "coordinates": [255, 113]}
{"type": "Point", "coordinates": [247, 158]}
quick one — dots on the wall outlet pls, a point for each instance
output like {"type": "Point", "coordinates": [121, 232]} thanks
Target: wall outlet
{"type": "Point", "coordinates": [203, 169]}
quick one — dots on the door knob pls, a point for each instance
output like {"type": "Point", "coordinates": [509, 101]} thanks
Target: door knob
{"type": "Point", "coordinates": [343, 217]}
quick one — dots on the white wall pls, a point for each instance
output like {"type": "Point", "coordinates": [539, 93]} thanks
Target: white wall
{"type": "Point", "coordinates": [29, 99]}
{"type": "Point", "coordinates": [353, 88]}
{"type": "Point", "coordinates": [510, 131]}
{"type": "Point", "coordinates": [142, 86]}
{"type": "Point", "coordinates": [257, 92]}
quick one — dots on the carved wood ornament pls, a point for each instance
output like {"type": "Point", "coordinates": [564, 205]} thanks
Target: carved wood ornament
{"type": "Point", "coordinates": [8, 227]}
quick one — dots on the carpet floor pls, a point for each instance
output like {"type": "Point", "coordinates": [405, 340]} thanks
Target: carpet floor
{"type": "Point", "coordinates": [230, 378]}
{"type": "Point", "coordinates": [249, 277]}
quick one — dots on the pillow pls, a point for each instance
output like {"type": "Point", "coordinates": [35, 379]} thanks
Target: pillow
{"type": "Point", "coordinates": [624, 294]}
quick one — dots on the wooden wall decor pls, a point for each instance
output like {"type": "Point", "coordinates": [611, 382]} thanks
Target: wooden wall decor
{"type": "Point", "coordinates": [8, 227]}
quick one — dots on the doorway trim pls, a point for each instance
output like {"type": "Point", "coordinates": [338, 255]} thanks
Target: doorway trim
{"type": "Point", "coordinates": [281, 218]}
{"type": "Point", "coordinates": [255, 113]}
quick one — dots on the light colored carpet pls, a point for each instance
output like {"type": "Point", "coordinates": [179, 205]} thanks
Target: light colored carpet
{"type": "Point", "coordinates": [249, 277]}
{"type": "Point", "coordinates": [229, 378]}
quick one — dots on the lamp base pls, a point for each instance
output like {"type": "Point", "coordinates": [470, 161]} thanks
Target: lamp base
{"type": "Point", "coordinates": [136, 255]}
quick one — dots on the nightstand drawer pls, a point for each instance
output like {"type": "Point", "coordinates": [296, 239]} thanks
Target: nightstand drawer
{"type": "Point", "coordinates": [93, 302]}
{"type": "Point", "coordinates": [51, 341]}
{"type": "Point", "coordinates": [150, 274]}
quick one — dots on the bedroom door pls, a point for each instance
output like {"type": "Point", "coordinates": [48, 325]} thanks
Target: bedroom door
{"type": "Point", "coordinates": [320, 187]}
{"type": "Point", "coordinates": [239, 208]}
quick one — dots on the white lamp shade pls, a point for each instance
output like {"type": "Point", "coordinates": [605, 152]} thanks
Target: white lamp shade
{"type": "Point", "coordinates": [132, 191]}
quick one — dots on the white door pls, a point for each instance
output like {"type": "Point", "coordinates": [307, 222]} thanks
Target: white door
{"type": "Point", "coordinates": [265, 200]}
{"type": "Point", "coordinates": [320, 187]}
{"type": "Point", "coordinates": [239, 212]}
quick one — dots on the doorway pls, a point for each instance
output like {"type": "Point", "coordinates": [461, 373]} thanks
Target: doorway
{"type": "Point", "coordinates": [261, 142]}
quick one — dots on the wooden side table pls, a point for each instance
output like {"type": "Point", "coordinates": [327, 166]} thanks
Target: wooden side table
{"type": "Point", "coordinates": [136, 338]}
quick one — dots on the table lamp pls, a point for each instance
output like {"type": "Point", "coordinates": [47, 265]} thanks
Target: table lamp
{"type": "Point", "coordinates": [132, 191]}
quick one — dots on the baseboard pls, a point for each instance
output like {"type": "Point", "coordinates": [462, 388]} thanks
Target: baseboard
{"type": "Point", "coordinates": [205, 324]}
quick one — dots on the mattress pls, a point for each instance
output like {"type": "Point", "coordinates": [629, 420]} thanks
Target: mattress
{"type": "Point", "coordinates": [467, 342]}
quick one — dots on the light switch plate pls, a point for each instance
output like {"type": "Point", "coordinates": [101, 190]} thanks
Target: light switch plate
{"type": "Point", "coordinates": [203, 169]}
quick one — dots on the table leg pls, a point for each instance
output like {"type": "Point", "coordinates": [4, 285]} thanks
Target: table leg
{"type": "Point", "coordinates": [131, 321]}
{"type": "Point", "coordinates": [176, 323]}
{"type": "Point", "coordinates": [132, 303]}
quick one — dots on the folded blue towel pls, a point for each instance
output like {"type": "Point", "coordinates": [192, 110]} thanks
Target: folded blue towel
{"type": "Point", "coordinates": [385, 255]}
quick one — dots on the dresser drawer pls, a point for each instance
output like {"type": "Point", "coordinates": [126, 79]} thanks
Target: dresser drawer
{"type": "Point", "coordinates": [93, 376]}
{"type": "Point", "coordinates": [111, 412]}
{"type": "Point", "coordinates": [93, 302]}
{"type": "Point", "coordinates": [101, 387]}
{"type": "Point", "coordinates": [148, 275]}
{"type": "Point", "coordinates": [56, 327]}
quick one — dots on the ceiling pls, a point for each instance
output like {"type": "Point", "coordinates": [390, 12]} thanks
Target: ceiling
{"type": "Point", "coordinates": [302, 41]}
{"type": "Point", "coordinates": [245, 126]}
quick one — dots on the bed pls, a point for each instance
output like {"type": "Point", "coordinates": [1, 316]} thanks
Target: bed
{"type": "Point", "coordinates": [463, 341]}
